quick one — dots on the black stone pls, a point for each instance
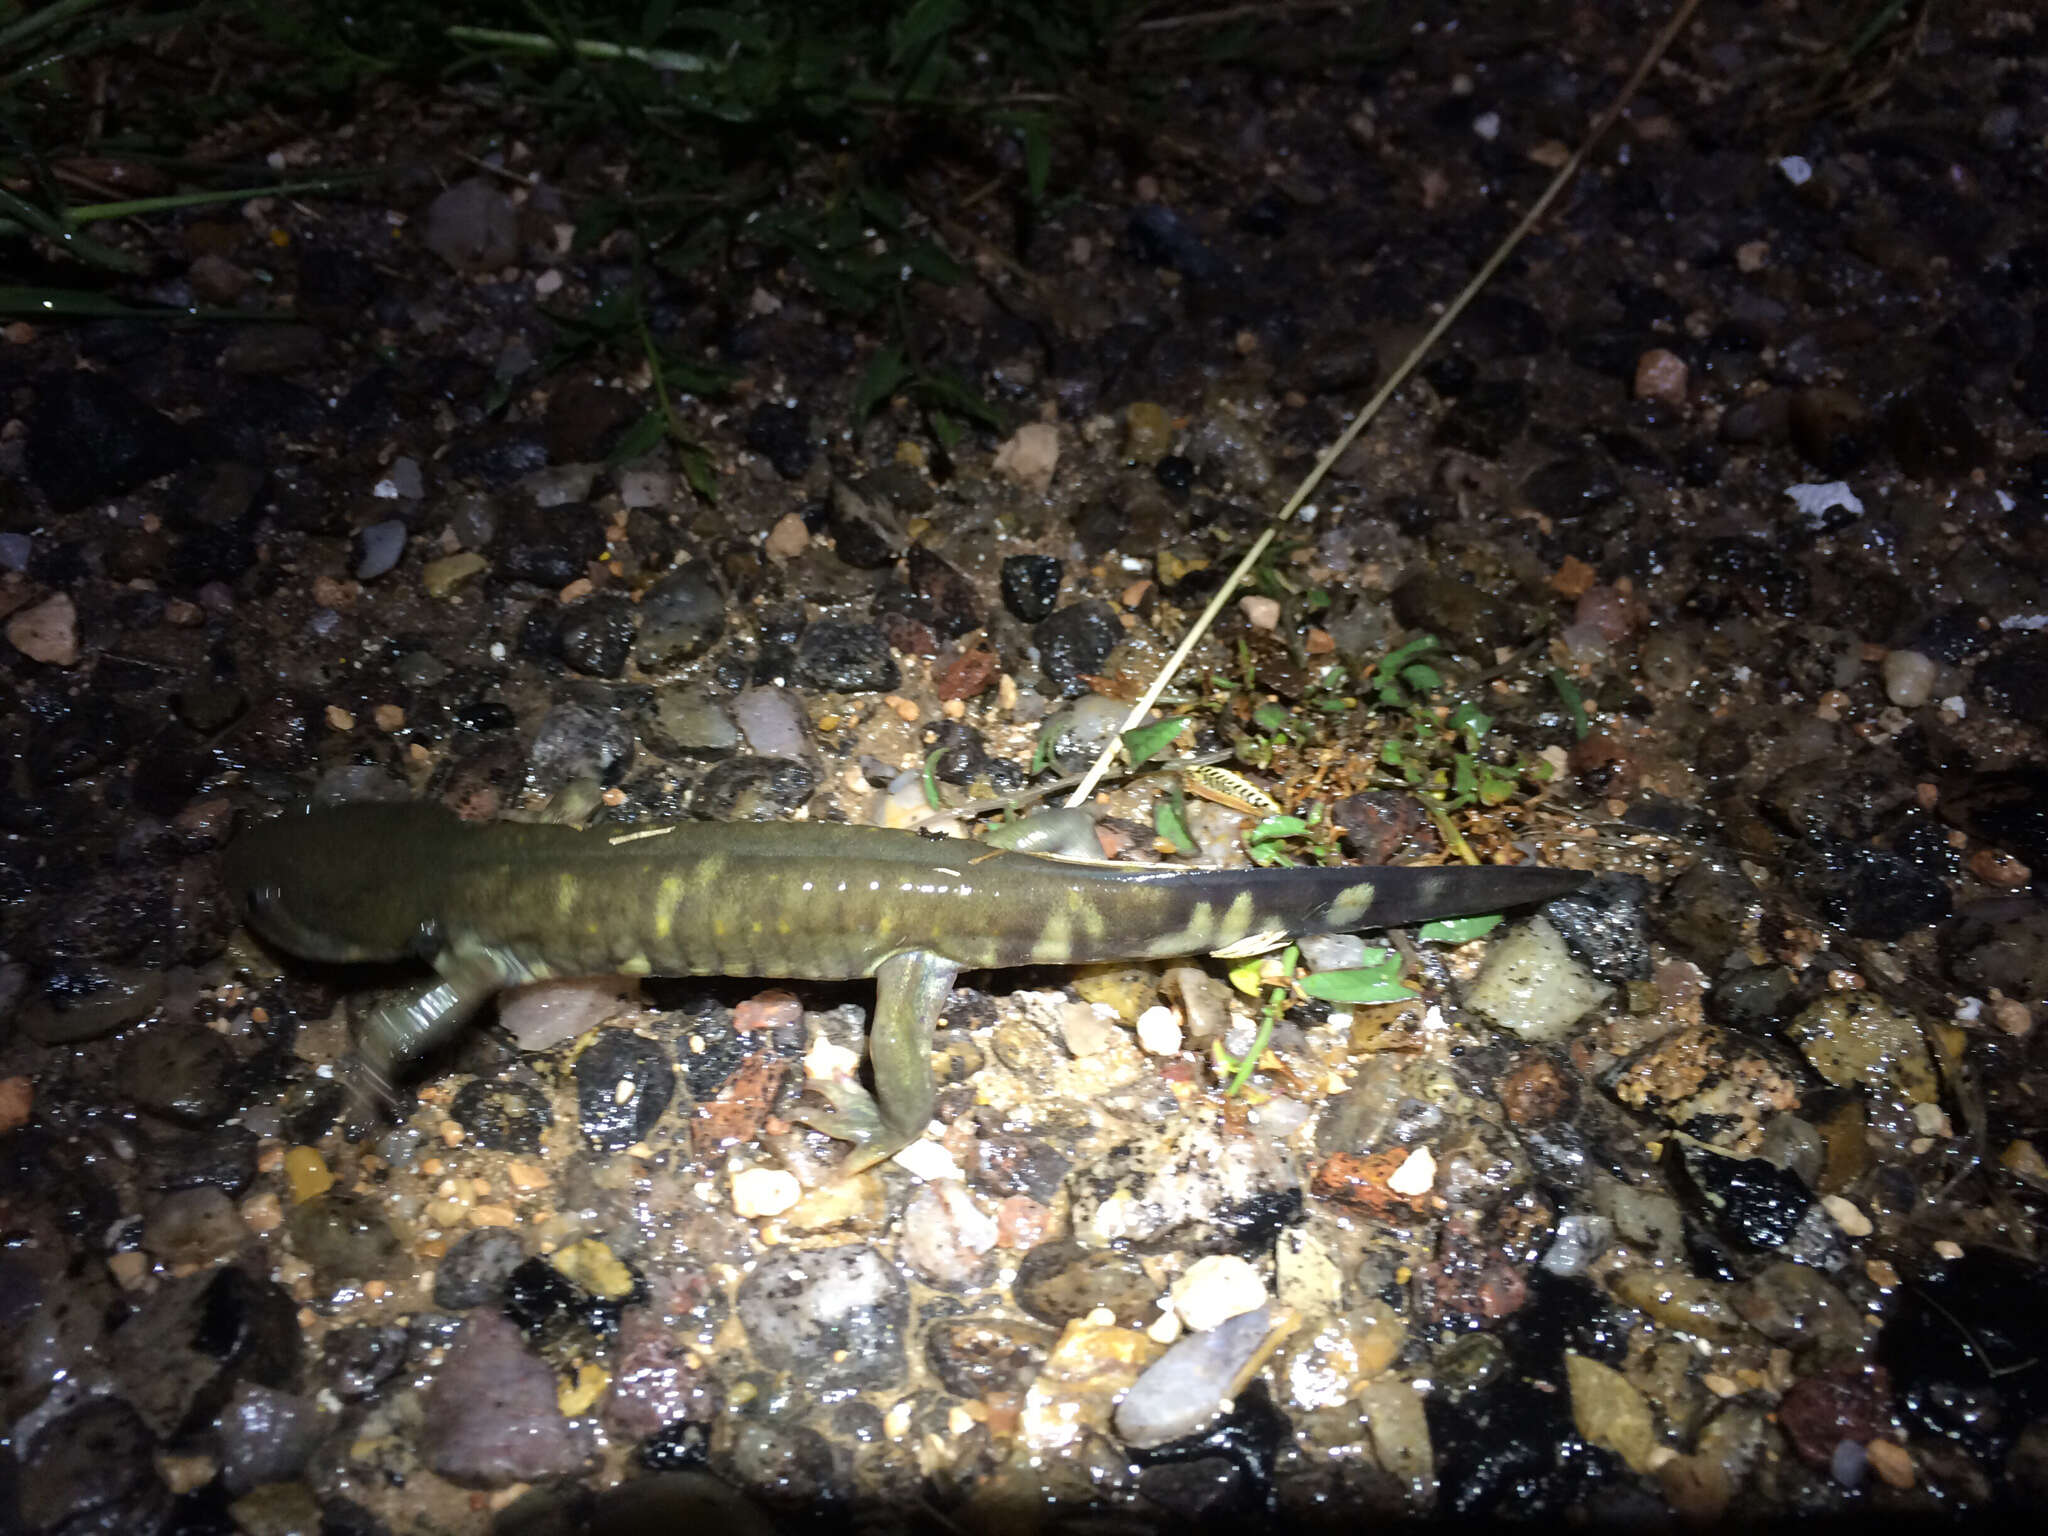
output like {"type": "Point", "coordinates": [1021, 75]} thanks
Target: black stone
{"type": "Point", "coordinates": [575, 741]}
{"type": "Point", "coordinates": [473, 1273]}
{"type": "Point", "coordinates": [2015, 680]}
{"type": "Point", "coordinates": [539, 1296]}
{"type": "Point", "coordinates": [838, 656]}
{"type": "Point", "coordinates": [1031, 585]}
{"type": "Point", "coordinates": [1176, 476]}
{"type": "Point", "coordinates": [1075, 642]}
{"type": "Point", "coordinates": [945, 599]}
{"type": "Point", "coordinates": [1953, 635]}
{"type": "Point", "coordinates": [623, 1084]}
{"type": "Point", "coordinates": [1568, 488]}
{"type": "Point", "coordinates": [1487, 419]}
{"type": "Point", "coordinates": [1932, 436]}
{"type": "Point", "coordinates": [781, 434]}
{"type": "Point", "coordinates": [1752, 1203]}
{"type": "Point", "coordinates": [1967, 1349]}
{"type": "Point", "coordinates": [974, 1356]}
{"type": "Point", "coordinates": [90, 439]}
{"type": "Point", "coordinates": [1162, 238]}
{"type": "Point", "coordinates": [548, 546]}
{"type": "Point", "coordinates": [754, 789]}
{"type": "Point", "coordinates": [596, 635]}
{"type": "Point", "coordinates": [681, 617]}
{"type": "Point", "coordinates": [676, 1447]}
{"type": "Point", "coordinates": [962, 756]}
{"type": "Point", "coordinates": [1602, 924]}
{"type": "Point", "coordinates": [502, 1114]}
{"type": "Point", "coordinates": [498, 455]}
{"type": "Point", "coordinates": [92, 1470]}
{"type": "Point", "coordinates": [361, 1357]}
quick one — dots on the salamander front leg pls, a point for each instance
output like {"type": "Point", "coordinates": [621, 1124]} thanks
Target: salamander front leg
{"type": "Point", "coordinates": [910, 992]}
{"type": "Point", "coordinates": [408, 1024]}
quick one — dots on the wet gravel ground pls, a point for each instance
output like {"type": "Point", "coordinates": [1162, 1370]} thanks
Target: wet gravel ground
{"type": "Point", "coordinates": [1712, 1191]}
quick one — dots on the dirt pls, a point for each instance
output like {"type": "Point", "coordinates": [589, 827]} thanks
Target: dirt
{"type": "Point", "coordinates": [1727, 504]}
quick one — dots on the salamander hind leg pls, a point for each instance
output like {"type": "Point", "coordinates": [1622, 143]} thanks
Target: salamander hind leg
{"type": "Point", "coordinates": [910, 992]}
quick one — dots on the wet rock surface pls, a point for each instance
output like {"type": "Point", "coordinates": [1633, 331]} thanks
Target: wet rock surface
{"type": "Point", "coordinates": [1707, 1192]}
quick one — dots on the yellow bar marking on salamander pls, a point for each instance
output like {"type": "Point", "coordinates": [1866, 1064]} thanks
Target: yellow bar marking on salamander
{"type": "Point", "coordinates": [565, 894]}
{"type": "Point", "coordinates": [636, 965]}
{"type": "Point", "coordinates": [1055, 940]}
{"type": "Point", "coordinates": [1238, 918]}
{"type": "Point", "coordinates": [667, 898]}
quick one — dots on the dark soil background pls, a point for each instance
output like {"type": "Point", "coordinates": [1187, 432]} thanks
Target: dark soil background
{"type": "Point", "coordinates": [551, 456]}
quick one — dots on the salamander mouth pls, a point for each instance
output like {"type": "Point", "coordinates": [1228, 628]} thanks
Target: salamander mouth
{"type": "Point", "coordinates": [266, 910]}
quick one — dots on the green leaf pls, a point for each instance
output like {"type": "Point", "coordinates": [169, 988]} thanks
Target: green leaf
{"type": "Point", "coordinates": [947, 430]}
{"type": "Point", "coordinates": [1272, 717]}
{"type": "Point", "coordinates": [1359, 986]}
{"type": "Point", "coordinates": [1574, 703]}
{"type": "Point", "coordinates": [1245, 975]}
{"type": "Point", "coordinates": [1422, 677]}
{"type": "Point", "coordinates": [697, 471]}
{"type": "Point", "coordinates": [642, 437]}
{"type": "Point", "coordinates": [1458, 930]}
{"type": "Point", "coordinates": [1037, 157]}
{"type": "Point", "coordinates": [1473, 721]}
{"type": "Point", "coordinates": [1273, 828]}
{"type": "Point", "coordinates": [1170, 824]}
{"type": "Point", "coordinates": [925, 22]}
{"type": "Point", "coordinates": [884, 374]}
{"type": "Point", "coordinates": [1148, 741]}
{"type": "Point", "coordinates": [931, 778]}
{"type": "Point", "coordinates": [1041, 755]}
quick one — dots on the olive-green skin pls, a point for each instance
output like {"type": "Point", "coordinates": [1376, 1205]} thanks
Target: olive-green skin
{"type": "Point", "coordinates": [492, 905]}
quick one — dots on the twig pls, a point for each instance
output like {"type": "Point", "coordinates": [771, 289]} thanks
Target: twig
{"type": "Point", "coordinates": [1399, 376]}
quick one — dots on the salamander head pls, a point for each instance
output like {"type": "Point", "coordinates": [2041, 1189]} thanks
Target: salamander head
{"type": "Point", "coordinates": [338, 884]}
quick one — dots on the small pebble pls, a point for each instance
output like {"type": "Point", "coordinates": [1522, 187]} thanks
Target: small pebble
{"type": "Point", "coordinates": [449, 574]}
{"type": "Point", "coordinates": [1892, 1462]}
{"type": "Point", "coordinates": [1030, 455]}
{"type": "Point", "coordinates": [382, 545]}
{"type": "Point", "coordinates": [1908, 678]}
{"type": "Point", "coordinates": [1847, 1216]}
{"type": "Point", "coordinates": [305, 1171]}
{"type": "Point", "coordinates": [1416, 1175]}
{"type": "Point", "coordinates": [764, 1191]}
{"type": "Point", "coordinates": [1159, 1032]}
{"type": "Point", "coordinates": [1085, 1031]}
{"type": "Point", "coordinates": [48, 632]}
{"type": "Point", "coordinates": [789, 537]}
{"type": "Point", "coordinates": [1260, 612]}
{"type": "Point", "coordinates": [1661, 375]}
{"type": "Point", "coordinates": [1216, 1289]}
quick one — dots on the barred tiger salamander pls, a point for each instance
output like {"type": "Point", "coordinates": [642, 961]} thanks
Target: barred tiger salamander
{"type": "Point", "coordinates": [490, 906]}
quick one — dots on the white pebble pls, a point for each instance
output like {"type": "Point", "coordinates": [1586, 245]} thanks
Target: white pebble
{"type": "Point", "coordinates": [1260, 612]}
{"type": "Point", "coordinates": [1416, 1175]}
{"type": "Point", "coordinates": [764, 1191]}
{"type": "Point", "coordinates": [1159, 1031]}
{"type": "Point", "coordinates": [1847, 1216]}
{"type": "Point", "coordinates": [1815, 500]}
{"type": "Point", "coordinates": [929, 1161]}
{"type": "Point", "coordinates": [1216, 1289]}
{"type": "Point", "coordinates": [1797, 169]}
{"type": "Point", "coordinates": [1908, 678]}
{"type": "Point", "coordinates": [1084, 1030]}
